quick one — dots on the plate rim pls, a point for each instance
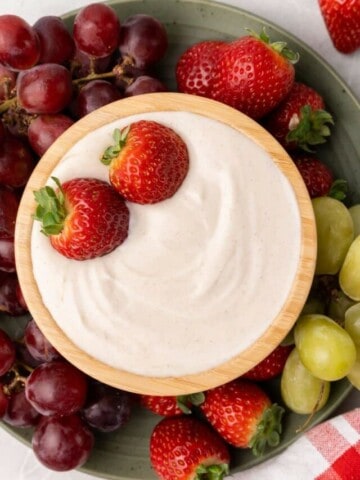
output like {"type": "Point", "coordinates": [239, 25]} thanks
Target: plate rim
{"type": "Point", "coordinates": [339, 79]}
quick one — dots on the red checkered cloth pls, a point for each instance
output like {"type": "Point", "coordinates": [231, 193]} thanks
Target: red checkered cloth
{"type": "Point", "coordinates": [329, 451]}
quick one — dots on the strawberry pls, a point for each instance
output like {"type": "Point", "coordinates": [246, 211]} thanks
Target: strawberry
{"type": "Point", "coordinates": [169, 406]}
{"type": "Point", "coordinates": [84, 218]}
{"type": "Point", "coordinates": [194, 67]}
{"type": "Point", "coordinates": [147, 163]}
{"type": "Point", "coordinates": [301, 119]}
{"type": "Point", "coordinates": [318, 177]}
{"type": "Point", "coordinates": [184, 448]}
{"type": "Point", "coordinates": [243, 414]}
{"type": "Point", "coordinates": [253, 75]}
{"type": "Point", "coordinates": [342, 20]}
{"type": "Point", "coordinates": [271, 366]}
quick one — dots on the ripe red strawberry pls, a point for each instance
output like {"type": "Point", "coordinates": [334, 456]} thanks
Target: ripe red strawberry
{"type": "Point", "coordinates": [194, 67]}
{"type": "Point", "coordinates": [318, 177]}
{"type": "Point", "coordinates": [184, 448]}
{"type": "Point", "coordinates": [169, 406]}
{"type": "Point", "coordinates": [253, 75]}
{"type": "Point", "coordinates": [300, 120]}
{"type": "Point", "coordinates": [342, 19]}
{"type": "Point", "coordinates": [271, 366]}
{"type": "Point", "coordinates": [243, 414]}
{"type": "Point", "coordinates": [84, 218]}
{"type": "Point", "coordinates": [148, 162]}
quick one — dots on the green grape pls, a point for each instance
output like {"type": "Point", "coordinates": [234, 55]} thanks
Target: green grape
{"type": "Point", "coordinates": [352, 322]}
{"type": "Point", "coordinates": [335, 232]}
{"type": "Point", "coordinates": [354, 374]}
{"type": "Point", "coordinates": [313, 305]}
{"type": "Point", "coordinates": [349, 276]}
{"type": "Point", "coordinates": [289, 339]}
{"type": "Point", "coordinates": [339, 303]}
{"type": "Point", "coordinates": [325, 348]}
{"type": "Point", "coordinates": [355, 214]}
{"type": "Point", "coordinates": [300, 390]}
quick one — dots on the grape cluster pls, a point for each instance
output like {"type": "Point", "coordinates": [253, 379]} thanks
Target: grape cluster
{"type": "Point", "coordinates": [49, 78]}
{"type": "Point", "coordinates": [40, 389]}
{"type": "Point", "coordinates": [327, 334]}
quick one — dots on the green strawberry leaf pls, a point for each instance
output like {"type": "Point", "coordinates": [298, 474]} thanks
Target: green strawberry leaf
{"type": "Point", "coordinates": [279, 47]}
{"type": "Point", "coordinates": [268, 430]}
{"type": "Point", "coordinates": [212, 472]}
{"type": "Point", "coordinates": [50, 210]}
{"type": "Point", "coordinates": [113, 151]}
{"type": "Point", "coordinates": [310, 128]}
{"type": "Point", "coordinates": [184, 402]}
{"type": "Point", "coordinates": [338, 190]}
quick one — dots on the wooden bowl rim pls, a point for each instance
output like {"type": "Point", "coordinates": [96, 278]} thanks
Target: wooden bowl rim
{"type": "Point", "coordinates": [237, 365]}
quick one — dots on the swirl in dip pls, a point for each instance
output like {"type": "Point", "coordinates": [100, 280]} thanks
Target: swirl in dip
{"type": "Point", "coordinates": [201, 275]}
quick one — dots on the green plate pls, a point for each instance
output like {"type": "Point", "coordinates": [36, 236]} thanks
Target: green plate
{"type": "Point", "coordinates": [124, 455]}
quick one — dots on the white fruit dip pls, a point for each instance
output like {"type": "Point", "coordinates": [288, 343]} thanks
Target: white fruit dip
{"type": "Point", "coordinates": [201, 275]}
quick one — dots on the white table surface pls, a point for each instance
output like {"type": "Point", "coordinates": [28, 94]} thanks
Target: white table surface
{"type": "Point", "coordinates": [303, 19]}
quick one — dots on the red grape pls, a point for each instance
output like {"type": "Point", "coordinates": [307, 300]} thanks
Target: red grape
{"type": "Point", "coordinates": [2, 131]}
{"type": "Point", "coordinates": [144, 84]}
{"type": "Point", "coordinates": [56, 388]}
{"type": "Point", "coordinates": [7, 82]}
{"type": "Point", "coordinates": [4, 401]}
{"type": "Point", "coordinates": [45, 88]}
{"type": "Point", "coordinates": [20, 413]}
{"type": "Point", "coordinates": [9, 204]}
{"type": "Point", "coordinates": [24, 356]}
{"type": "Point", "coordinates": [16, 162]}
{"type": "Point", "coordinates": [20, 298]}
{"type": "Point", "coordinates": [45, 129]}
{"type": "Point", "coordinates": [82, 65]}
{"type": "Point", "coordinates": [9, 302]}
{"type": "Point", "coordinates": [144, 39]}
{"type": "Point", "coordinates": [96, 30]}
{"type": "Point", "coordinates": [56, 42]}
{"type": "Point", "coordinates": [19, 44]}
{"type": "Point", "coordinates": [107, 408]}
{"type": "Point", "coordinates": [16, 121]}
{"type": "Point", "coordinates": [7, 254]}
{"type": "Point", "coordinates": [38, 345]}
{"type": "Point", "coordinates": [62, 443]}
{"type": "Point", "coordinates": [7, 353]}
{"type": "Point", "coordinates": [93, 95]}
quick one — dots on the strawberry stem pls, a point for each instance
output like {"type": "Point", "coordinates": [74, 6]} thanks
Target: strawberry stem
{"type": "Point", "coordinates": [212, 472]}
{"type": "Point", "coordinates": [113, 151]}
{"type": "Point", "coordinates": [338, 189]}
{"type": "Point", "coordinates": [279, 47]}
{"type": "Point", "coordinates": [310, 128]}
{"type": "Point", "coordinates": [268, 430]}
{"type": "Point", "coordinates": [50, 211]}
{"type": "Point", "coordinates": [185, 401]}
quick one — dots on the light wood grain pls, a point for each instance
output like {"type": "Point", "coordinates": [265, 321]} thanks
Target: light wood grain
{"type": "Point", "coordinates": [280, 326]}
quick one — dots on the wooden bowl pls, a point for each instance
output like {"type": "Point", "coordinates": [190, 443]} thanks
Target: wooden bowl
{"type": "Point", "coordinates": [246, 359]}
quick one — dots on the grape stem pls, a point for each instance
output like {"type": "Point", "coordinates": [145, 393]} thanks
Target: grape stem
{"type": "Point", "coordinates": [118, 71]}
{"type": "Point", "coordinates": [303, 427]}
{"type": "Point", "coordinates": [94, 76]}
{"type": "Point", "coordinates": [11, 102]}
{"type": "Point", "coordinates": [25, 366]}
{"type": "Point", "coordinates": [18, 379]}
